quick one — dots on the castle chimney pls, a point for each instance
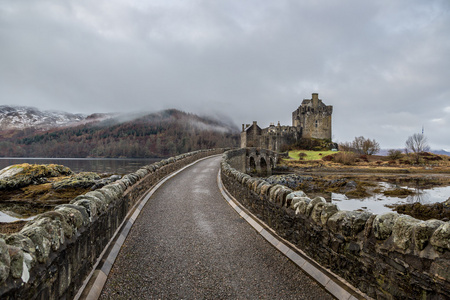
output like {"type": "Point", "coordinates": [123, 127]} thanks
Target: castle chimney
{"type": "Point", "coordinates": [243, 127]}
{"type": "Point", "coordinates": [315, 100]}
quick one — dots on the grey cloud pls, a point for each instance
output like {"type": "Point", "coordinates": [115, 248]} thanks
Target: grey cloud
{"type": "Point", "coordinates": [383, 65]}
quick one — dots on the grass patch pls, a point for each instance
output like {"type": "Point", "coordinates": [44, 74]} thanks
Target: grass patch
{"type": "Point", "coordinates": [310, 155]}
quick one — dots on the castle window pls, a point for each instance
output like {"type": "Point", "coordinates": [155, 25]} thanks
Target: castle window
{"type": "Point", "coordinates": [317, 123]}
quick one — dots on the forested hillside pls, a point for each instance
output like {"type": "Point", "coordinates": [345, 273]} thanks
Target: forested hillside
{"type": "Point", "coordinates": [162, 134]}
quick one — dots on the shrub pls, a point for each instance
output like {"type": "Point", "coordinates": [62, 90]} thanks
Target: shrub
{"type": "Point", "coordinates": [345, 158]}
{"type": "Point", "coordinates": [394, 154]}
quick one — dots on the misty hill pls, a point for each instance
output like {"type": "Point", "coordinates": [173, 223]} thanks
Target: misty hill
{"type": "Point", "coordinates": [161, 134]}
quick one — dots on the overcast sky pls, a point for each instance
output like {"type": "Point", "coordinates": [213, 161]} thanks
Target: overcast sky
{"type": "Point", "coordinates": [384, 65]}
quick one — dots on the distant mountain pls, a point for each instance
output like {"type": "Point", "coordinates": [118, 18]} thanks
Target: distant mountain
{"type": "Point", "coordinates": [441, 152]}
{"type": "Point", "coordinates": [160, 134]}
{"type": "Point", "coordinates": [384, 152]}
{"type": "Point", "coordinates": [21, 117]}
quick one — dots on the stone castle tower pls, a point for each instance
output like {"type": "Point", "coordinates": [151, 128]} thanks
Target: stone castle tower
{"type": "Point", "coordinates": [312, 119]}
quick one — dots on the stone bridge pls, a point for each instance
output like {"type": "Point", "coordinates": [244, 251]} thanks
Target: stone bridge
{"type": "Point", "coordinates": [260, 161]}
{"type": "Point", "coordinates": [126, 241]}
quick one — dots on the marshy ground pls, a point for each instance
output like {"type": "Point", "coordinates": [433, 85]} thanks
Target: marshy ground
{"type": "Point", "coordinates": [364, 176]}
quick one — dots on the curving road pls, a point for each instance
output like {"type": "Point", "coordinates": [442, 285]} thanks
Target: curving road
{"type": "Point", "coordinates": [188, 243]}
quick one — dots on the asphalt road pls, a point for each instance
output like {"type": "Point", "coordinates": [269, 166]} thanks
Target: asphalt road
{"type": "Point", "coordinates": [188, 243]}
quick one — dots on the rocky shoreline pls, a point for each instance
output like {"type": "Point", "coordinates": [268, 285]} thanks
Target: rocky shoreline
{"type": "Point", "coordinates": [27, 190]}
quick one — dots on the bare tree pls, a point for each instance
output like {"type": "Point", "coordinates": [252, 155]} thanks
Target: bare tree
{"type": "Point", "coordinates": [365, 146]}
{"type": "Point", "coordinates": [416, 144]}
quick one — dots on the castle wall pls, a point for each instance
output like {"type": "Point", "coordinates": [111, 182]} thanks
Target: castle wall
{"type": "Point", "coordinates": [312, 119]}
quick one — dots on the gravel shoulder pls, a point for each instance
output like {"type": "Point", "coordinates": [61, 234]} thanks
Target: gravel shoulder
{"type": "Point", "coordinates": [188, 243]}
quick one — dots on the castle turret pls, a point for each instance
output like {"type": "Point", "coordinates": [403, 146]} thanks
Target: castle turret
{"type": "Point", "coordinates": [315, 100]}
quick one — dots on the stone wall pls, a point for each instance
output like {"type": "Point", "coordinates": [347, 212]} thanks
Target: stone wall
{"type": "Point", "coordinates": [52, 255]}
{"type": "Point", "coordinates": [386, 256]}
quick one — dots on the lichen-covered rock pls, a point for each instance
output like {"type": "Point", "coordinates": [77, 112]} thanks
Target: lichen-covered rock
{"type": "Point", "coordinates": [265, 189]}
{"type": "Point", "coordinates": [383, 224]}
{"type": "Point", "coordinates": [273, 190]}
{"type": "Point", "coordinates": [292, 195]}
{"type": "Point", "coordinates": [89, 205]}
{"type": "Point", "coordinates": [23, 242]}
{"type": "Point", "coordinates": [301, 205]}
{"type": "Point", "coordinates": [17, 176]}
{"type": "Point", "coordinates": [53, 227]}
{"type": "Point", "coordinates": [73, 216]}
{"type": "Point", "coordinates": [104, 181]}
{"type": "Point", "coordinates": [423, 232]}
{"type": "Point", "coordinates": [80, 180]}
{"type": "Point", "coordinates": [328, 210]}
{"type": "Point", "coordinates": [402, 231]}
{"type": "Point", "coordinates": [441, 237]}
{"type": "Point", "coordinates": [5, 261]}
{"type": "Point", "coordinates": [313, 203]}
{"type": "Point", "coordinates": [294, 201]}
{"type": "Point", "coordinates": [41, 241]}
{"type": "Point", "coordinates": [348, 223]}
{"type": "Point", "coordinates": [81, 209]}
{"type": "Point", "coordinates": [281, 195]}
{"type": "Point", "coordinates": [16, 266]}
{"type": "Point", "coordinates": [94, 199]}
{"type": "Point", "coordinates": [316, 212]}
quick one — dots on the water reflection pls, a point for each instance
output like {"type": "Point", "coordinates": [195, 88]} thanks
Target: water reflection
{"type": "Point", "coordinates": [377, 203]}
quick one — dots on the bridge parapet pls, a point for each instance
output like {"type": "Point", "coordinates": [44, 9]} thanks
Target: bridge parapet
{"type": "Point", "coordinates": [388, 256]}
{"type": "Point", "coordinates": [53, 254]}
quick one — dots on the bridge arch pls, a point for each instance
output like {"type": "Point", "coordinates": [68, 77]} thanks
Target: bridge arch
{"type": "Point", "coordinates": [260, 161]}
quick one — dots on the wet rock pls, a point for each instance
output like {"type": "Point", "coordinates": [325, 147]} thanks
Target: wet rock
{"type": "Point", "coordinates": [402, 231]}
{"type": "Point", "coordinates": [5, 261]}
{"type": "Point", "coordinates": [383, 224]}
{"type": "Point", "coordinates": [17, 176]}
{"type": "Point", "coordinates": [81, 180]}
{"type": "Point", "coordinates": [441, 237]}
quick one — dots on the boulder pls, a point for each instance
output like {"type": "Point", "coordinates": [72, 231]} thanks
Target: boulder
{"type": "Point", "coordinates": [18, 176]}
{"type": "Point", "coordinates": [80, 180]}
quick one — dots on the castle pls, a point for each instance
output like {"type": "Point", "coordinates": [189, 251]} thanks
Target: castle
{"type": "Point", "coordinates": [312, 119]}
